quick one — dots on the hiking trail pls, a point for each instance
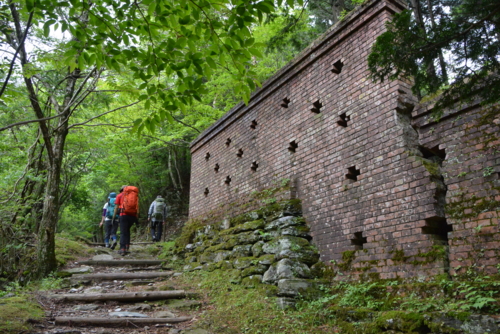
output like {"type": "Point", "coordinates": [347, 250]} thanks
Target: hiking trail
{"type": "Point", "coordinates": [112, 294]}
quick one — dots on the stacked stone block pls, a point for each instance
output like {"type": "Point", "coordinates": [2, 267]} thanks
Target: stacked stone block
{"type": "Point", "coordinates": [271, 245]}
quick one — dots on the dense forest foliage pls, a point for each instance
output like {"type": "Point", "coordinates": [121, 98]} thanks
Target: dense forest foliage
{"type": "Point", "coordinates": [100, 94]}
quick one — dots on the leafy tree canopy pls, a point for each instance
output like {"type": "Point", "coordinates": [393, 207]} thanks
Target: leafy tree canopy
{"type": "Point", "coordinates": [440, 37]}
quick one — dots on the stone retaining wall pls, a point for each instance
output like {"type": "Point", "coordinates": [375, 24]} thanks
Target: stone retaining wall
{"type": "Point", "coordinates": [270, 245]}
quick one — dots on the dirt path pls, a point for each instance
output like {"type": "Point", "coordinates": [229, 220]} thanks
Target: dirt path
{"type": "Point", "coordinates": [102, 281]}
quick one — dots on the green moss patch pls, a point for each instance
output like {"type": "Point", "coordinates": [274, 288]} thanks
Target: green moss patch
{"type": "Point", "coordinates": [15, 313]}
{"type": "Point", "coordinates": [187, 235]}
{"type": "Point", "coordinates": [70, 250]}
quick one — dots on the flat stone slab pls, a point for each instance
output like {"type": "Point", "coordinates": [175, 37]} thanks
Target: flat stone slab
{"type": "Point", "coordinates": [80, 270]}
{"type": "Point", "coordinates": [102, 257]}
{"type": "Point", "coordinates": [164, 314]}
{"type": "Point", "coordinates": [128, 314]}
{"type": "Point", "coordinates": [87, 307]}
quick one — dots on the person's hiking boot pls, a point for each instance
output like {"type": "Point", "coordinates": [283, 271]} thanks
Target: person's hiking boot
{"type": "Point", "coordinates": [113, 245]}
{"type": "Point", "coordinates": [107, 246]}
{"type": "Point", "coordinates": [122, 252]}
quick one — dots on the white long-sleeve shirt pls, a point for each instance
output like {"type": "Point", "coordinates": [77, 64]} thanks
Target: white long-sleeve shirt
{"type": "Point", "coordinates": [152, 208]}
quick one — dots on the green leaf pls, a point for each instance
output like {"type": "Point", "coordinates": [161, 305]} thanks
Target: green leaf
{"type": "Point", "coordinates": [185, 20]}
{"type": "Point", "coordinates": [255, 52]}
{"type": "Point", "coordinates": [211, 62]}
{"type": "Point", "coordinates": [29, 5]}
{"type": "Point", "coordinates": [170, 118]}
{"type": "Point", "coordinates": [137, 123]}
{"type": "Point", "coordinates": [46, 27]}
{"type": "Point", "coordinates": [152, 8]}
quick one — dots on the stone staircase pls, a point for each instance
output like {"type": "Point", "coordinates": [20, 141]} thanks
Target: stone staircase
{"type": "Point", "coordinates": [112, 294]}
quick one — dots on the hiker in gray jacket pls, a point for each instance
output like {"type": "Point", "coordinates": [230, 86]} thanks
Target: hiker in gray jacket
{"type": "Point", "coordinates": [156, 216]}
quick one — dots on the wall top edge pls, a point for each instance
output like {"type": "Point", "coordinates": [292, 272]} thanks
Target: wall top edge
{"type": "Point", "coordinates": [305, 57]}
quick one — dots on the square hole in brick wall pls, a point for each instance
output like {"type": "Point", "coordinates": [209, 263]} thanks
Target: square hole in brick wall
{"type": "Point", "coordinates": [254, 124]}
{"type": "Point", "coordinates": [207, 156]}
{"type": "Point", "coordinates": [240, 153]}
{"type": "Point", "coordinates": [337, 67]}
{"type": "Point", "coordinates": [227, 180]}
{"type": "Point", "coordinates": [358, 240]}
{"type": "Point", "coordinates": [317, 107]}
{"type": "Point", "coordinates": [254, 166]}
{"type": "Point", "coordinates": [228, 142]}
{"type": "Point", "coordinates": [286, 102]}
{"type": "Point", "coordinates": [206, 192]}
{"type": "Point", "coordinates": [352, 173]}
{"type": "Point", "coordinates": [343, 120]}
{"type": "Point", "coordinates": [292, 147]}
{"type": "Point", "coordinates": [216, 168]}
{"type": "Point", "coordinates": [437, 227]}
{"type": "Point", "coordinates": [434, 153]}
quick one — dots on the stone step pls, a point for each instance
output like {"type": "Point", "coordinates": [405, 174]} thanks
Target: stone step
{"type": "Point", "coordinates": [117, 263]}
{"type": "Point", "coordinates": [81, 321]}
{"type": "Point", "coordinates": [121, 276]}
{"type": "Point", "coordinates": [121, 296]}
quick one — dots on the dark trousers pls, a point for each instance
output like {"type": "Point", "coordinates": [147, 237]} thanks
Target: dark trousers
{"type": "Point", "coordinates": [110, 229]}
{"type": "Point", "coordinates": [156, 229]}
{"type": "Point", "coordinates": [126, 223]}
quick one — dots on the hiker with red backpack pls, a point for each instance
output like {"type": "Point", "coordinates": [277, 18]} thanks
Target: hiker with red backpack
{"type": "Point", "coordinates": [127, 203]}
{"type": "Point", "coordinates": [110, 221]}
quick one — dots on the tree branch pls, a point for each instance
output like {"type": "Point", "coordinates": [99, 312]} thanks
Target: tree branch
{"type": "Point", "coordinates": [18, 49]}
{"type": "Point", "coordinates": [28, 122]}
{"type": "Point", "coordinates": [107, 112]}
{"type": "Point", "coordinates": [189, 126]}
{"type": "Point", "coordinates": [29, 86]}
{"type": "Point", "coordinates": [167, 142]}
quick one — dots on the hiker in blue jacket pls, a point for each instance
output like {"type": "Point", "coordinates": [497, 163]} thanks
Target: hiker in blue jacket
{"type": "Point", "coordinates": [110, 221]}
{"type": "Point", "coordinates": [156, 216]}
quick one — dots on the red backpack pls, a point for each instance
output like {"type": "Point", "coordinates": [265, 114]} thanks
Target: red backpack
{"type": "Point", "coordinates": [130, 201]}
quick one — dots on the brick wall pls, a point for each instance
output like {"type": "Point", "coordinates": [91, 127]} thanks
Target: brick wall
{"type": "Point", "coordinates": [467, 138]}
{"type": "Point", "coordinates": [373, 195]}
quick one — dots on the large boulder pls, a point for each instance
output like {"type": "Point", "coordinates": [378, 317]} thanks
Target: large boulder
{"type": "Point", "coordinates": [301, 231]}
{"type": "Point", "coordinates": [286, 269]}
{"type": "Point", "coordinates": [284, 222]}
{"type": "Point", "coordinates": [243, 238]}
{"type": "Point", "coordinates": [258, 269]}
{"type": "Point", "coordinates": [257, 248]}
{"type": "Point", "coordinates": [241, 251]}
{"type": "Point", "coordinates": [245, 227]}
{"type": "Point", "coordinates": [292, 248]}
{"type": "Point", "coordinates": [244, 262]}
{"type": "Point", "coordinates": [308, 289]}
{"type": "Point", "coordinates": [207, 257]}
{"type": "Point", "coordinates": [222, 256]}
